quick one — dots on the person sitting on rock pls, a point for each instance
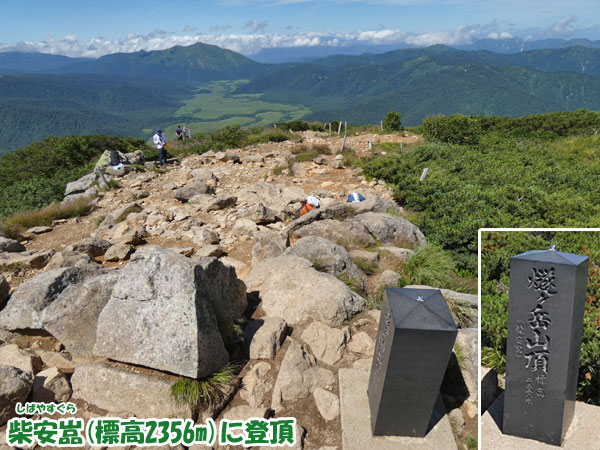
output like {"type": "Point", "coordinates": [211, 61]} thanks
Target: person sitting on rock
{"type": "Point", "coordinates": [308, 205]}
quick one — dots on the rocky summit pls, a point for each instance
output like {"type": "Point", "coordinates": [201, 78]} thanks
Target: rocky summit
{"type": "Point", "coordinates": [184, 273]}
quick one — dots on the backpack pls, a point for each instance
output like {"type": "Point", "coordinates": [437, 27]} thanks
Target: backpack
{"type": "Point", "coordinates": [115, 158]}
{"type": "Point", "coordinates": [305, 208]}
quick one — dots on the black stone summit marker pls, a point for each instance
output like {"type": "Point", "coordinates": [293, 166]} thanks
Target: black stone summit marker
{"type": "Point", "coordinates": [414, 344]}
{"type": "Point", "coordinates": [545, 324]}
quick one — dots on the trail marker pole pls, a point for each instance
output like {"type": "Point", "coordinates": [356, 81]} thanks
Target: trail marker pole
{"type": "Point", "coordinates": [340, 128]}
{"type": "Point", "coordinates": [424, 174]}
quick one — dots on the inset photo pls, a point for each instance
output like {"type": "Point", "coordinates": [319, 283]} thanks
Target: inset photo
{"type": "Point", "coordinates": [540, 338]}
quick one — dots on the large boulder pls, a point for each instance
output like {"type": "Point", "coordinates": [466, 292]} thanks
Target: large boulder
{"type": "Point", "coordinates": [263, 337]}
{"type": "Point", "coordinates": [50, 385]}
{"type": "Point", "coordinates": [341, 232]}
{"type": "Point", "coordinates": [15, 386]}
{"type": "Point", "coordinates": [267, 244]}
{"type": "Point", "coordinates": [260, 214]}
{"type": "Point", "coordinates": [327, 257]}
{"type": "Point", "coordinates": [12, 355]}
{"type": "Point", "coordinates": [287, 286]}
{"type": "Point", "coordinates": [68, 258]}
{"type": "Point", "coordinates": [11, 246]}
{"type": "Point", "coordinates": [118, 389]}
{"type": "Point", "coordinates": [72, 318]}
{"type": "Point", "coordinates": [204, 175]}
{"type": "Point", "coordinates": [160, 315]}
{"type": "Point", "coordinates": [271, 194]}
{"type": "Point", "coordinates": [185, 193]}
{"type": "Point", "coordinates": [80, 185]}
{"type": "Point", "coordinates": [387, 228]}
{"type": "Point", "coordinates": [326, 343]}
{"type": "Point", "coordinates": [32, 296]}
{"type": "Point", "coordinates": [227, 293]}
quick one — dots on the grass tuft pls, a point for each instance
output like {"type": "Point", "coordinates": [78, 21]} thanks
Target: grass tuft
{"type": "Point", "coordinates": [368, 267]}
{"type": "Point", "coordinates": [27, 219]}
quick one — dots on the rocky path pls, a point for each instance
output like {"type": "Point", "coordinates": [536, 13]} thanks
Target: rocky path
{"type": "Point", "coordinates": [119, 294]}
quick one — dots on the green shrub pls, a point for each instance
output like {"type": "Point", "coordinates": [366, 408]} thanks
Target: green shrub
{"type": "Point", "coordinates": [430, 266]}
{"type": "Point", "coordinates": [455, 129]}
{"type": "Point", "coordinates": [392, 121]}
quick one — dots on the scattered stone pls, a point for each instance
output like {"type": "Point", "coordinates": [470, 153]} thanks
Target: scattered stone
{"type": "Point", "coordinates": [12, 355]}
{"type": "Point", "coordinates": [160, 297]}
{"type": "Point", "coordinates": [11, 246]}
{"type": "Point", "coordinates": [32, 296]}
{"type": "Point", "coordinates": [328, 403]}
{"type": "Point", "coordinates": [209, 250]}
{"type": "Point", "coordinates": [387, 228]}
{"type": "Point", "coordinates": [259, 214]}
{"type": "Point", "coordinates": [68, 258]}
{"type": "Point", "coordinates": [118, 252]}
{"type": "Point", "coordinates": [50, 385]}
{"type": "Point", "coordinates": [255, 385]}
{"type": "Point", "coordinates": [326, 343]}
{"type": "Point", "coordinates": [127, 232]}
{"type": "Point", "coordinates": [39, 230]}
{"type": "Point", "coordinates": [204, 236]}
{"type": "Point", "coordinates": [362, 343]}
{"type": "Point", "coordinates": [298, 170]}
{"type": "Point", "coordinates": [282, 285]}
{"type": "Point", "coordinates": [204, 175]}
{"type": "Point", "coordinates": [299, 375]}
{"type": "Point", "coordinates": [211, 203]}
{"type": "Point", "coordinates": [72, 318]}
{"type": "Point", "coordinates": [15, 386]}
{"type": "Point", "coordinates": [241, 269]}
{"type": "Point", "coordinates": [58, 360]}
{"type": "Point", "coordinates": [92, 245]}
{"type": "Point", "coordinates": [337, 164]}
{"type": "Point", "coordinates": [342, 233]}
{"type": "Point", "coordinates": [185, 251]}
{"type": "Point", "coordinates": [139, 194]}
{"type": "Point", "coordinates": [263, 337]}
{"type": "Point", "coordinates": [116, 216]}
{"type": "Point", "coordinates": [26, 260]}
{"type": "Point", "coordinates": [244, 227]}
{"type": "Point", "coordinates": [227, 156]}
{"type": "Point", "coordinates": [321, 161]}
{"type": "Point", "coordinates": [118, 389]}
{"type": "Point", "coordinates": [267, 244]}
{"type": "Point", "coordinates": [188, 191]}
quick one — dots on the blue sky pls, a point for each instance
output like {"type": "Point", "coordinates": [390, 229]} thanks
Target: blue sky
{"type": "Point", "coordinates": [93, 28]}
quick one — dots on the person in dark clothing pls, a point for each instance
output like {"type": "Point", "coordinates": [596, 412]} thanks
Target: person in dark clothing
{"type": "Point", "coordinates": [179, 133]}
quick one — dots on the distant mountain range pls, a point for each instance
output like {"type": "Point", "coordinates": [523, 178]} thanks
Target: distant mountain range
{"type": "Point", "coordinates": [125, 93]}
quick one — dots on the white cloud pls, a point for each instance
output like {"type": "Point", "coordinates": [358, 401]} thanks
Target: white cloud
{"type": "Point", "coordinates": [564, 26]}
{"type": "Point", "coordinates": [256, 26]}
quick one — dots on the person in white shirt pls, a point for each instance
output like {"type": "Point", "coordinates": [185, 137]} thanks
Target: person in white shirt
{"type": "Point", "coordinates": [160, 142]}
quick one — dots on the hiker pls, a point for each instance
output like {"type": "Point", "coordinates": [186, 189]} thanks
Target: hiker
{"type": "Point", "coordinates": [186, 133]}
{"type": "Point", "coordinates": [179, 133]}
{"type": "Point", "coordinates": [139, 156]}
{"type": "Point", "coordinates": [161, 145]}
{"type": "Point", "coordinates": [308, 205]}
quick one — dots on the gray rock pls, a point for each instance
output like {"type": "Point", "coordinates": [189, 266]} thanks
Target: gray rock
{"type": "Point", "coordinates": [118, 252]}
{"type": "Point", "coordinates": [68, 258]}
{"type": "Point", "coordinates": [227, 156]}
{"type": "Point", "coordinates": [320, 160]}
{"type": "Point", "coordinates": [12, 355]}
{"type": "Point", "coordinates": [402, 254]}
{"type": "Point", "coordinates": [110, 170]}
{"type": "Point", "coordinates": [205, 236]}
{"type": "Point", "coordinates": [466, 340]}
{"type": "Point", "coordinates": [209, 250]}
{"type": "Point", "coordinates": [271, 194]}
{"type": "Point", "coordinates": [327, 344]}
{"type": "Point", "coordinates": [362, 343]}
{"type": "Point", "coordinates": [89, 194]}
{"type": "Point", "coordinates": [227, 293]}
{"type": "Point", "coordinates": [204, 175]}
{"type": "Point", "coordinates": [263, 337]}
{"type": "Point", "coordinates": [117, 389]}
{"type": "Point", "coordinates": [39, 230]}
{"type": "Point", "coordinates": [50, 385]}
{"type": "Point", "coordinates": [244, 227]}
{"type": "Point", "coordinates": [370, 257]}
{"type": "Point", "coordinates": [15, 386]}
{"type": "Point", "coordinates": [389, 278]}
{"type": "Point", "coordinates": [4, 291]}
{"type": "Point", "coordinates": [162, 297]}
{"type": "Point", "coordinates": [387, 228]}
{"type": "Point", "coordinates": [80, 185]}
{"type": "Point", "coordinates": [140, 194]}
{"type": "Point", "coordinates": [213, 203]}
{"type": "Point", "coordinates": [11, 246]}
{"type": "Point", "coordinates": [94, 246]}
{"type": "Point", "coordinates": [327, 403]}
{"type": "Point", "coordinates": [327, 257]}
{"type": "Point", "coordinates": [117, 215]}
{"type": "Point", "coordinates": [73, 317]}
{"type": "Point", "coordinates": [25, 260]}
{"type": "Point", "coordinates": [282, 285]}
{"type": "Point", "coordinates": [260, 214]}
{"type": "Point", "coordinates": [341, 232]}
{"type": "Point", "coordinates": [58, 360]}
{"type": "Point", "coordinates": [299, 376]}
{"type": "Point", "coordinates": [267, 244]}
{"type": "Point", "coordinates": [298, 170]}
{"type": "Point", "coordinates": [241, 269]}
{"type": "Point", "coordinates": [32, 296]}
{"type": "Point", "coordinates": [255, 385]}
{"type": "Point", "coordinates": [337, 164]}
